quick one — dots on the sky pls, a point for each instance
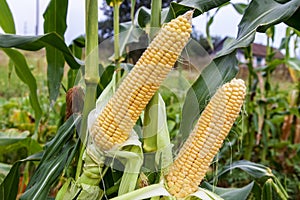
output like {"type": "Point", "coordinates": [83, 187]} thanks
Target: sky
{"type": "Point", "coordinates": [225, 22]}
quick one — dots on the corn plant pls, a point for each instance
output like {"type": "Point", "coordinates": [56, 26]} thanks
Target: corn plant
{"type": "Point", "coordinates": [115, 142]}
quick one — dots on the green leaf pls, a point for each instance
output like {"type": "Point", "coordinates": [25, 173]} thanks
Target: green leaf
{"type": "Point", "coordinates": [63, 134]}
{"type": "Point", "coordinates": [150, 125]}
{"type": "Point", "coordinates": [133, 160]}
{"type": "Point", "coordinates": [24, 73]}
{"type": "Point", "coordinates": [230, 193]}
{"type": "Point", "coordinates": [156, 137]}
{"type": "Point", "coordinates": [55, 21]}
{"type": "Point", "coordinates": [9, 187]}
{"type": "Point", "coordinates": [294, 63]}
{"type": "Point", "coordinates": [40, 183]}
{"type": "Point", "coordinates": [6, 18]}
{"type": "Point", "coordinates": [205, 194]}
{"type": "Point", "coordinates": [218, 72]}
{"type": "Point", "coordinates": [13, 140]}
{"type": "Point", "coordinates": [293, 21]}
{"type": "Point", "coordinates": [200, 7]}
{"type": "Point", "coordinates": [11, 137]}
{"type": "Point", "coordinates": [143, 16]}
{"type": "Point", "coordinates": [239, 7]}
{"type": "Point", "coordinates": [77, 46]}
{"type": "Point", "coordinates": [4, 170]}
{"type": "Point", "coordinates": [255, 170]}
{"type": "Point", "coordinates": [33, 43]}
{"type": "Point", "coordinates": [164, 145]}
{"type": "Point", "coordinates": [105, 77]}
{"type": "Point", "coordinates": [128, 33]}
{"type": "Point", "coordinates": [55, 157]}
{"type": "Point", "coordinates": [279, 189]}
{"type": "Point", "coordinates": [55, 17]}
{"type": "Point", "coordinates": [259, 17]}
{"type": "Point", "coordinates": [55, 72]}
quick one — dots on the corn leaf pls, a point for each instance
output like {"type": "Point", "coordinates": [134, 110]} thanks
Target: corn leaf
{"type": "Point", "coordinates": [257, 171]}
{"type": "Point", "coordinates": [56, 156]}
{"type": "Point", "coordinates": [6, 18]}
{"type": "Point", "coordinates": [128, 33]}
{"type": "Point", "coordinates": [145, 192]}
{"type": "Point", "coordinates": [200, 7]}
{"type": "Point", "coordinates": [293, 21]}
{"type": "Point", "coordinates": [143, 16]}
{"type": "Point", "coordinates": [133, 161]}
{"type": "Point", "coordinates": [239, 7]}
{"type": "Point", "coordinates": [14, 140]}
{"type": "Point", "coordinates": [55, 21]}
{"type": "Point", "coordinates": [294, 63]}
{"type": "Point", "coordinates": [230, 193]}
{"type": "Point", "coordinates": [47, 174]}
{"type": "Point", "coordinates": [24, 73]}
{"type": "Point", "coordinates": [33, 43]}
{"type": "Point", "coordinates": [254, 19]}
{"type": "Point", "coordinates": [4, 170]}
{"type": "Point", "coordinates": [9, 187]}
{"type": "Point", "coordinates": [206, 194]}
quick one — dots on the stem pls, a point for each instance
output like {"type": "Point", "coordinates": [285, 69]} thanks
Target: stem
{"type": "Point", "coordinates": [116, 6]}
{"type": "Point", "coordinates": [116, 31]}
{"type": "Point", "coordinates": [136, 193]}
{"type": "Point", "coordinates": [132, 11]}
{"type": "Point", "coordinates": [155, 17]}
{"type": "Point", "coordinates": [249, 106]}
{"type": "Point", "coordinates": [91, 76]}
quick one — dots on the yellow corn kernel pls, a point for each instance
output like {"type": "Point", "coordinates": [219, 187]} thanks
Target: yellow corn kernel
{"type": "Point", "coordinates": [134, 93]}
{"type": "Point", "coordinates": [206, 139]}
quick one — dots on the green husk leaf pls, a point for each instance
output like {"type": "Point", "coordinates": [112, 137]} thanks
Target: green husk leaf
{"type": "Point", "coordinates": [205, 194]}
{"type": "Point", "coordinates": [230, 193]}
{"type": "Point", "coordinates": [145, 192]}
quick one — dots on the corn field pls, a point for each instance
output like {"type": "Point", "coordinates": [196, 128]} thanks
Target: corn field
{"type": "Point", "coordinates": [175, 123]}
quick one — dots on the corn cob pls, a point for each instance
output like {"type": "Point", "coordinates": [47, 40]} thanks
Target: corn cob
{"type": "Point", "coordinates": [114, 124]}
{"type": "Point", "coordinates": [206, 139]}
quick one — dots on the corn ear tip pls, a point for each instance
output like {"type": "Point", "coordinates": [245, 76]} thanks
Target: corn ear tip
{"type": "Point", "coordinates": [189, 15]}
{"type": "Point", "coordinates": [238, 82]}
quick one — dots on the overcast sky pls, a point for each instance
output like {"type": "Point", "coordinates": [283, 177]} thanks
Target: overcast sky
{"type": "Point", "coordinates": [225, 23]}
